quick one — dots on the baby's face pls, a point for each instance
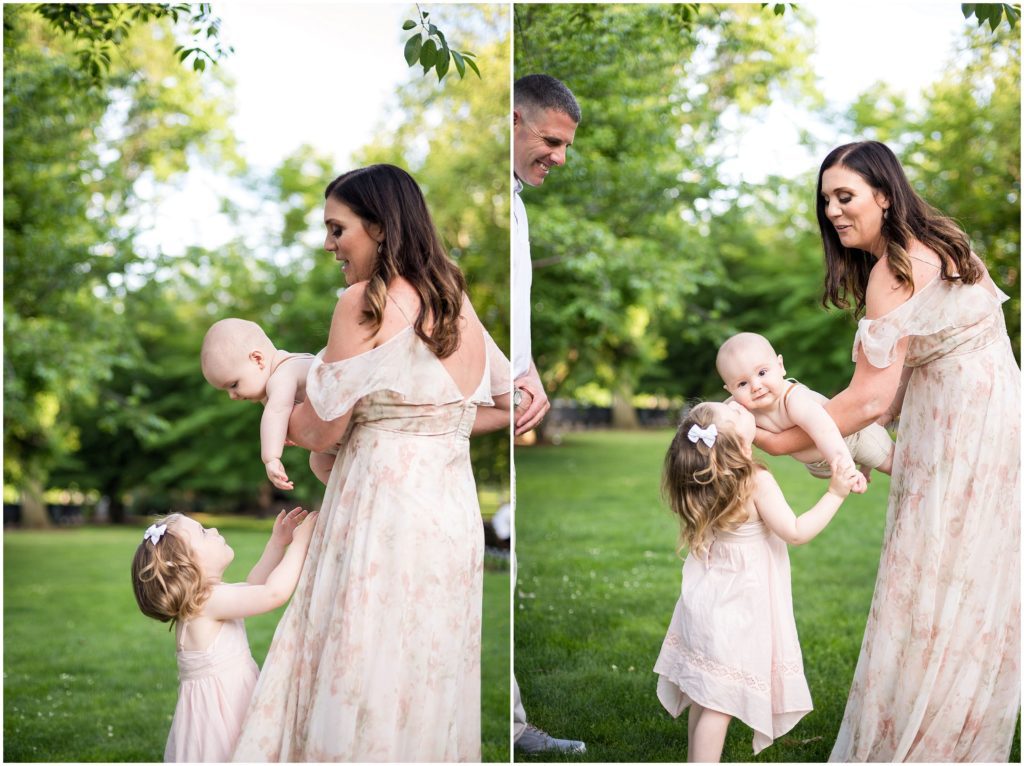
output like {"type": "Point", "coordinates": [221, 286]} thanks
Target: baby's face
{"type": "Point", "coordinates": [243, 377]}
{"type": "Point", "coordinates": [754, 375]}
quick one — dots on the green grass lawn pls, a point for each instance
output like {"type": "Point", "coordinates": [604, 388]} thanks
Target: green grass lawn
{"type": "Point", "coordinates": [88, 678]}
{"type": "Point", "coordinates": [598, 578]}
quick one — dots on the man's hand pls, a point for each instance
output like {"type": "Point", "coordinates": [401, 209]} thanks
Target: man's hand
{"type": "Point", "coordinates": [534, 405]}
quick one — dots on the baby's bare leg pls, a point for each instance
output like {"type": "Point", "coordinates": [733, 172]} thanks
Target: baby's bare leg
{"type": "Point", "coordinates": [321, 463]}
{"type": "Point", "coordinates": [886, 467]}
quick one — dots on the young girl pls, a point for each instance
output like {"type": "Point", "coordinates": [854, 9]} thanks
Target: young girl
{"type": "Point", "coordinates": [732, 647]}
{"type": "Point", "coordinates": [176, 574]}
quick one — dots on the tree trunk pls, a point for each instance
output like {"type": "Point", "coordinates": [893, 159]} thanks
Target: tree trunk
{"type": "Point", "coordinates": [265, 500]}
{"type": "Point", "coordinates": [117, 509]}
{"type": "Point", "coordinates": [623, 411]}
{"type": "Point", "coordinates": [33, 507]}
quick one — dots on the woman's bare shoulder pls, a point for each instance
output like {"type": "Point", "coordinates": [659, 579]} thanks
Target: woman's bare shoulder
{"type": "Point", "coordinates": [884, 291]}
{"type": "Point", "coordinates": [352, 298]}
{"type": "Point", "coordinates": [349, 335]}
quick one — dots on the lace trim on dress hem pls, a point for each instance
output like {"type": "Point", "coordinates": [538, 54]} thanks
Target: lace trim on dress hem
{"type": "Point", "coordinates": [688, 658]}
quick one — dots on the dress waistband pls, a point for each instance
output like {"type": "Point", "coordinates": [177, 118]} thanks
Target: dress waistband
{"type": "Point", "coordinates": [434, 421]}
{"type": "Point", "coordinates": [194, 668]}
{"type": "Point", "coordinates": [749, 532]}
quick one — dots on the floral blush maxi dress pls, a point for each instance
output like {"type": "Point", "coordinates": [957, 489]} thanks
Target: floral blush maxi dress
{"type": "Point", "coordinates": [377, 657]}
{"type": "Point", "coordinates": [938, 678]}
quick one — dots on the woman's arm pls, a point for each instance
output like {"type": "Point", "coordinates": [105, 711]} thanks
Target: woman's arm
{"type": "Point", "coordinates": [493, 418]}
{"type": "Point", "coordinates": [893, 412]}
{"type": "Point", "coordinates": [347, 339]}
{"type": "Point", "coordinates": [869, 394]}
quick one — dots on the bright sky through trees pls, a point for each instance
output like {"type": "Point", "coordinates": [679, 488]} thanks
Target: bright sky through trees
{"type": "Point", "coordinates": [326, 74]}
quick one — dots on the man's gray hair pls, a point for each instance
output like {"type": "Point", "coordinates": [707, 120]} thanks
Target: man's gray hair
{"type": "Point", "coordinates": [545, 92]}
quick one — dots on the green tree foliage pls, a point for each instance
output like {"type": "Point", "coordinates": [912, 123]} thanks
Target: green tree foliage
{"type": "Point", "coordinates": [767, 279]}
{"type": "Point", "coordinates": [169, 440]}
{"type": "Point", "coordinates": [645, 260]}
{"type": "Point", "coordinates": [992, 13]}
{"type": "Point", "coordinates": [100, 29]}
{"type": "Point", "coordinates": [202, 449]}
{"type": "Point", "coordinates": [619, 236]}
{"type": "Point", "coordinates": [961, 149]}
{"type": "Point", "coordinates": [428, 47]}
{"type": "Point", "coordinates": [72, 155]}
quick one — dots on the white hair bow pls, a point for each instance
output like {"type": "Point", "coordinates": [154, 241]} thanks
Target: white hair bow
{"type": "Point", "coordinates": [706, 435]}
{"type": "Point", "coordinates": [154, 533]}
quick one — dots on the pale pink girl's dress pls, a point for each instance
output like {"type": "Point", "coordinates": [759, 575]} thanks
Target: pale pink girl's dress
{"type": "Point", "coordinates": [938, 677]}
{"type": "Point", "coordinates": [732, 644]}
{"type": "Point", "coordinates": [377, 657]}
{"type": "Point", "coordinates": [216, 687]}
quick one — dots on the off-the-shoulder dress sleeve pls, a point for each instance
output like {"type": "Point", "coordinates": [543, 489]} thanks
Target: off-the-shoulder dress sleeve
{"type": "Point", "coordinates": [501, 369]}
{"type": "Point", "coordinates": [333, 388]}
{"type": "Point", "coordinates": [939, 305]}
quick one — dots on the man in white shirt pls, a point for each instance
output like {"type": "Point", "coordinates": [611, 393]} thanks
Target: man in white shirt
{"type": "Point", "coordinates": [544, 121]}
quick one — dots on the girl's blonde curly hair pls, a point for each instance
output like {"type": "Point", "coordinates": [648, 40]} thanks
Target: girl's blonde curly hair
{"type": "Point", "coordinates": [707, 487]}
{"type": "Point", "coordinates": [168, 583]}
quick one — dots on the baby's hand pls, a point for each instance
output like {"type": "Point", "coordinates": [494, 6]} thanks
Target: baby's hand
{"type": "Point", "coordinates": [846, 478]}
{"type": "Point", "coordinates": [305, 530]}
{"type": "Point", "coordinates": [285, 524]}
{"type": "Point", "coordinates": [277, 475]}
{"type": "Point", "coordinates": [860, 483]}
{"type": "Point", "coordinates": [841, 463]}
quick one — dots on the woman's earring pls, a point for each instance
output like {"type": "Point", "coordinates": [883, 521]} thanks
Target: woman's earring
{"type": "Point", "coordinates": [885, 215]}
{"type": "Point", "coordinates": [380, 248]}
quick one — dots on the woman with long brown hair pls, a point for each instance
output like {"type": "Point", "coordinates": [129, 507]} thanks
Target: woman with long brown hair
{"type": "Point", "coordinates": [938, 678]}
{"type": "Point", "coordinates": [378, 655]}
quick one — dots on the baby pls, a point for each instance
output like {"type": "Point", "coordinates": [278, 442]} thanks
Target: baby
{"type": "Point", "coordinates": [238, 357]}
{"type": "Point", "coordinates": [754, 375]}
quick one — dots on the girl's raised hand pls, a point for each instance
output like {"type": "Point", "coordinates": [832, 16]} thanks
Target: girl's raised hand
{"type": "Point", "coordinates": [845, 479]}
{"type": "Point", "coordinates": [305, 530]}
{"type": "Point", "coordinates": [285, 524]}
